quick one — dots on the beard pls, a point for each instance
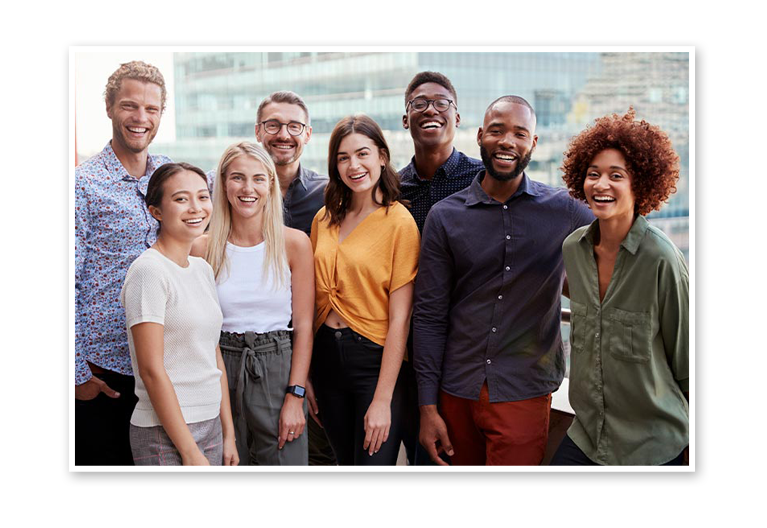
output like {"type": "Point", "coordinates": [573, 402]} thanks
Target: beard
{"type": "Point", "coordinates": [130, 144]}
{"type": "Point", "coordinates": [504, 176]}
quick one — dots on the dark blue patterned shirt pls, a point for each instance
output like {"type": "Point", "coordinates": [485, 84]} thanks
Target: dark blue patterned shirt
{"type": "Point", "coordinates": [454, 175]}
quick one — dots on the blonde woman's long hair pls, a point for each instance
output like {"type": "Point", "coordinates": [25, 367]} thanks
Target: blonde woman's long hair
{"type": "Point", "coordinates": [275, 261]}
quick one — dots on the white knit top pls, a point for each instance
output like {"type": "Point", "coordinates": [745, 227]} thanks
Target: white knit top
{"type": "Point", "coordinates": [249, 301]}
{"type": "Point", "coordinates": [183, 300]}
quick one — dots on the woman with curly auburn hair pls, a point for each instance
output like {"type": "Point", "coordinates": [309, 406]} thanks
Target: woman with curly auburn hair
{"type": "Point", "coordinates": [628, 288]}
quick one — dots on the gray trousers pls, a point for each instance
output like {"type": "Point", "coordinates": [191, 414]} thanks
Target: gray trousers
{"type": "Point", "coordinates": [151, 446]}
{"type": "Point", "coordinates": [258, 370]}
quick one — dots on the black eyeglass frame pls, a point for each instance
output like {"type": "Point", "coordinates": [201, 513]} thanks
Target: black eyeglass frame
{"type": "Point", "coordinates": [286, 125]}
{"type": "Point", "coordinates": [431, 102]}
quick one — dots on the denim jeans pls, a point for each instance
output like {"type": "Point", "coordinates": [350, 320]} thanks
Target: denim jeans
{"type": "Point", "coordinates": [102, 424]}
{"type": "Point", "coordinates": [345, 369]}
{"type": "Point", "coordinates": [569, 454]}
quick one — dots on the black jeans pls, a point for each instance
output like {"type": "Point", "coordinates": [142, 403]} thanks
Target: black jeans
{"type": "Point", "coordinates": [102, 425]}
{"type": "Point", "coordinates": [569, 454]}
{"type": "Point", "coordinates": [345, 369]}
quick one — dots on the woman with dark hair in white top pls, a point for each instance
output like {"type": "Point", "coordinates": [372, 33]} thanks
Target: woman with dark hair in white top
{"type": "Point", "coordinates": [265, 279]}
{"type": "Point", "coordinates": [172, 313]}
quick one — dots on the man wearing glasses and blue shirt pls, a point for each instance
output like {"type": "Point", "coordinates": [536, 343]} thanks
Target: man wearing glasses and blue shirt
{"type": "Point", "coordinates": [283, 128]}
{"type": "Point", "coordinates": [436, 171]}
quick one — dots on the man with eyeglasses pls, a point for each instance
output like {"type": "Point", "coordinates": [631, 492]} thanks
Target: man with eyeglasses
{"type": "Point", "coordinates": [436, 171]}
{"type": "Point", "coordinates": [283, 128]}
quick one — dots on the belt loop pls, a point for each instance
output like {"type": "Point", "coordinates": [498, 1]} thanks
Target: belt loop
{"type": "Point", "coordinates": [276, 339]}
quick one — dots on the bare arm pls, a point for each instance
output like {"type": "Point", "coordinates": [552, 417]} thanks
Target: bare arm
{"type": "Point", "coordinates": [378, 416]}
{"type": "Point", "coordinates": [301, 262]}
{"type": "Point", "coordinates": [148, 340]}
{"type": "Point", "coordinates": [231, 458]}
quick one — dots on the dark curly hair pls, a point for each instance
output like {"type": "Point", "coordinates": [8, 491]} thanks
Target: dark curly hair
{"type": "Point", "coordinates": [651, 160]}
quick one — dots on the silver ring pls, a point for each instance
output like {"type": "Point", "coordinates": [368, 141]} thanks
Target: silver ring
{"type": "Point", "coordinates": [291, 432]}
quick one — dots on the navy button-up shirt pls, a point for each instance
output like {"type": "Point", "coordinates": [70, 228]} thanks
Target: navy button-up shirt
{"type": "Point", "coordinates": [305, 196]}
{"type": "Point", "coordinates": [487, 294]}
{"type": "Point", "coordinates": [455, 174]}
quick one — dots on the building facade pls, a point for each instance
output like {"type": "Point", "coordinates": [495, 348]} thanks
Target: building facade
{"type": "Point", "coordinates": [217, 94]}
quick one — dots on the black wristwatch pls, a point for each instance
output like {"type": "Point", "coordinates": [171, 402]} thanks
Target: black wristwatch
{"type": "Point", "coordinates": [296, 390]}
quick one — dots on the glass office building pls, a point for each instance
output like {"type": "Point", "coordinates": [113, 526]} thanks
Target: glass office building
{"type": "Point", "coordinates": [217, 94]}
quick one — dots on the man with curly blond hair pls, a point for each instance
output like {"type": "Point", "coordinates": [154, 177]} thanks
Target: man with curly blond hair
{"type": "Point", "coordinates": [112, 228]}
{"type": "Point", "coordinates": [629, 296]}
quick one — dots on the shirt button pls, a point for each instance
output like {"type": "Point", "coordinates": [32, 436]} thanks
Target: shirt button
{"type": "Point", "coordinates": [508, 237]}
{"type": "Point", "coordinates": [495, 329]}
{"type": "Point", "coordinates": [500, 297]}
{"type": "Point", "coordinates": [596, 335]}
{"type": "Point", "coordinates": [507, 268]}
{"type": "Point", "coordinates": [505, 206]}
{"type": "Point", "coordinates": [488, 361]}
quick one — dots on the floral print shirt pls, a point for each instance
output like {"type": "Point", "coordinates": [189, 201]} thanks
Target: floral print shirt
{"type": "Point", "coordinates": [112, 228]}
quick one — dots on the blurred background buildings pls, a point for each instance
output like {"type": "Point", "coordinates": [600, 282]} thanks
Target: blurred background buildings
{"type": "Point", "coordinates": [216, 95]}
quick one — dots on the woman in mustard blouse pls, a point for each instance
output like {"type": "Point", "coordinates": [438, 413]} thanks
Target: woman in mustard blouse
{"type": "Point", "coordinates": [365, 256]}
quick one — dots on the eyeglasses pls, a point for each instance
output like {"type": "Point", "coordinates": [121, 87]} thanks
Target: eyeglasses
{"type": "Point", "coordinates": [272, 126]}
{"type": "Point", "coordinates": [440, 105]}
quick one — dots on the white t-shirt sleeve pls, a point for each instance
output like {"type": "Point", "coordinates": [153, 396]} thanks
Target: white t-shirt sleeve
{"type": "Point", "coordinates": [145, 293]}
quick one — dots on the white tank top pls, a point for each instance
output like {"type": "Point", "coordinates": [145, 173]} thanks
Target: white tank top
{"type": "Point", "coordinates": [248, 302]}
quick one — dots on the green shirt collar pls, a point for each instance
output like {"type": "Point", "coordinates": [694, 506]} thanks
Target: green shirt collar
{"type": "Point", "coordinates": [632, 240]}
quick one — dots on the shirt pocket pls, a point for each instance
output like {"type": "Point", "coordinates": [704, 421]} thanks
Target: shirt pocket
{"type": "Point", "coordinates": [578, 313]}
{"type": "Point", "coordinates": [628, 335]}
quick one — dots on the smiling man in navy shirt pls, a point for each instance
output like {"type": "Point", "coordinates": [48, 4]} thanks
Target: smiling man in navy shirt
{"type": "Point", "coordinates": [487, 303]}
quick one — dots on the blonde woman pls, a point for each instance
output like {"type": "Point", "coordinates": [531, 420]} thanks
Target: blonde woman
{"type": "Point", "coordinates": [265, 280]}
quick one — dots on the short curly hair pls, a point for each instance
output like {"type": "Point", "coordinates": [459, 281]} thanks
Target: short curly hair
{"type": "Point", "coordinates": [651, 160]}
{"type": "Point", "coordinates": [138, 70]}
{"type": "Point", "coordinates": [430, 77]}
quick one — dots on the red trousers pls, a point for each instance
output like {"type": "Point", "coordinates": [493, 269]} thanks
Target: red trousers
{"type": "Point", "coordinates": [496, 434]}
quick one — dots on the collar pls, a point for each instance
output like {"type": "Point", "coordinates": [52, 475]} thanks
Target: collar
{"type": "Point", "coordinates": [119, 173]}
{"type": "Point", "coordinates": [448, 168]}
{"type": "Point", "coordinates": [632, 240]}
{"type": "Point", "coordinates": [301, 178]}
{"type": "Point", "coordinates": [478, 195]}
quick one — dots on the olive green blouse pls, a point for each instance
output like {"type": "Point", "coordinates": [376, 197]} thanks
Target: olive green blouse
{"type": "Point", "coordinates": [629, 352]}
